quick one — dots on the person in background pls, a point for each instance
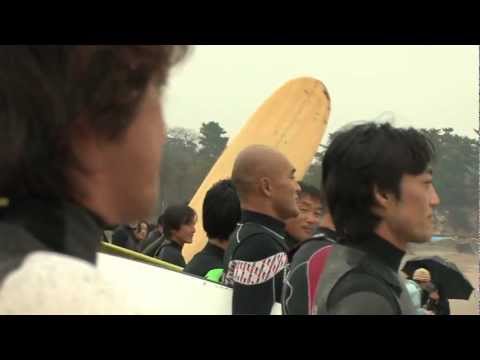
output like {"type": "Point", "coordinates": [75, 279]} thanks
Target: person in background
{"type": "Point", "coordinates": [220, 215]}
{"type": "Point", "coordinates": [124, 236]}
{"type": "Point", "coordinates": [154, 239]}
{"type": "Point", "coordinates": [179, 226]}
{"type": "Point", "coordinates": [305, 225]}
{"type": "Point", "coordinates": [415, 291]}
{"type": "Point", "coordinates": [430, 295]}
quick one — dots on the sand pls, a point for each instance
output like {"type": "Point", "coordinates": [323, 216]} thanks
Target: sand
{"type": "Point", "coordinates": [467, 263]}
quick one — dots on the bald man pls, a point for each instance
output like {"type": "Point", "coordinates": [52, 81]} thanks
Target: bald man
{"type": "Point", "coordinates": [256, 258]}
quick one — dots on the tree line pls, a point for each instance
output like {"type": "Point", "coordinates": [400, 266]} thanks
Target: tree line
{"type": "Point", "coordinates": [189, 156]}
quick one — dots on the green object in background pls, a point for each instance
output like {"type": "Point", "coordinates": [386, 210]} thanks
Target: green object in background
{"type": "Point", "coordinates": [214, 275]}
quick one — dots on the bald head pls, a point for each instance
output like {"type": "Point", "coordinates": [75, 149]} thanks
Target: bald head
{"type": "Point", "coordinates": [265, 182]}
{"type": "Point", "coordinates": [256, 162]}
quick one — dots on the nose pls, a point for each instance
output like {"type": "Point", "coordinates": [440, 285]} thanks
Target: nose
{"type": "Point", "coordinates": [297, 187]}
{"type": "Point", "coordinates": [311, 219]}
{"type": "Point", "coordinates": [435, 199]}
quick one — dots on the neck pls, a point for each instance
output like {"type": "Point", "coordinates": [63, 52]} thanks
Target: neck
{"type": "Point", "coordinates": [219, 243]}
{"type": "Point", "coordinates": [174, 239]}
{"type": "Point", "coordinates": [385, 233]}
{"type": "Point", "coordinates": [262, 208]}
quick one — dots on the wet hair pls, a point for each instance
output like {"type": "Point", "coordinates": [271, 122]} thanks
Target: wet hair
{"type": "Point", "coordinates": [365, 156]}
{"type": "Point", "coordinates": [46, 90]}
{"type": "Point", "coordinates": [307, 189]}
{"type": "Point", "coordinates": [221, 210]}
{"type": "Point", "coordinates": [175, 216]}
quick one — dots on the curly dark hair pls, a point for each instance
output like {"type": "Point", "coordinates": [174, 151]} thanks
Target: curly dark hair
{"type": "Point", "coordinates": [45, 90]}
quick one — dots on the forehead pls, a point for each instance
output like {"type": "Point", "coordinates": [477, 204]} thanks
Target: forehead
{"type": "Point", "coordinates": [428, 173]}
{"type": "Point", "coordinates": [307, 199]}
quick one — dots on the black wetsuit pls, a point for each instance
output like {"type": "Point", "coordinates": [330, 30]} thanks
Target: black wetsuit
{"type": "Point", "coordinates": [255, 263]}
{"type": "Point", "coordinates": [351, 279]}
{"type": "Point", "coordinates": [33, 225]}
{"type": "Point", "coordinates": [171, 252]}
{"type": "Point", "coordinates": [211, 257]}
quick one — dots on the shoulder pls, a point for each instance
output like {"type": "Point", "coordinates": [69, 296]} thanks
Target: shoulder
{"type": "Point", "coordinates": [309, 248]}
{"type": "Point", "coordinates": [360, 293]}
{"type": "Point", "coordinates": [50, 283]}
{"type": "Point", "coordinates": [258, 246]}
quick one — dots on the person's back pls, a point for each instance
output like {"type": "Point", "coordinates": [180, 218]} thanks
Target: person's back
{"type": "Point", "coordinates": [210, 258]}
{"type": "Point", "coordinates": [221, 213]}
{"type": "Point", "coordinates": [58, 112]}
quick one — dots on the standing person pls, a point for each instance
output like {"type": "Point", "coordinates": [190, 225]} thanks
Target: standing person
{"type": "Point", "coordinates": [141, 233]}
{"type": "Point", "coordinates": [71, 118]}
{"type": "Point", "coordinates": [303, 226]}
{"type": "Point", "coordinates": [378, 185]}
{"type": "Point", "coordinates": [295, 295]}
{"type": "Point", "coordinates": [221, 213]}
{"type": "Point", "coordinates": [256, 258]}
{"type": "Point", "coordinates": [124, 236]}
{"type": "Point", "coordinates": [415, 291]}
{"type": "Point", "coordinates": [430, 294]}
{"type": "Point", "coordinates": [179, 226]}
{"type": "Point", "coordinates": [154, 239]}
{"type": "Point", "coordinates": [130, 237]}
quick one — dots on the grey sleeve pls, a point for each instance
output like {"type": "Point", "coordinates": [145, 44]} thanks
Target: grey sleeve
{"type": "Point", "coordinates": [362, 303]}
{"type": "Point", "coordinates": [361, 294]}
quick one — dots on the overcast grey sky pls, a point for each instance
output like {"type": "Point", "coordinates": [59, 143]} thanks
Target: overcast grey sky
{"type": "Point", "coordinates": [423, 86]}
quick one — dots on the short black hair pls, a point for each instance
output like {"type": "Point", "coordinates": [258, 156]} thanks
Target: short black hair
{"type": "Point", "coordinates": [175, 216]}
{"type": "Point", "coordinates": [221, 210]}
{"type": "Point", "coordinates": [365, 156]}
{"type": "Point", "coordinates": [311, 190]}
{"type": "Point", "coordinates": [46, 90]}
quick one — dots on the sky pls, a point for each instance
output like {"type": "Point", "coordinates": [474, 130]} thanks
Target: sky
{"type": "Point", "coordinates": [419, 86]}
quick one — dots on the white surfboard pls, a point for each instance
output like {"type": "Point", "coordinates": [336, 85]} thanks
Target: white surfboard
{"type": "Point", "coordinates": [168, 292]}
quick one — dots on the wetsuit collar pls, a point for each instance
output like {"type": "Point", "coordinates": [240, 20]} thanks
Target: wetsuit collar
{"type": "Point", "coordinates": [214, 250]}
{"type": "Point", "coordinates": [382, 250]}
{"type": "Point", "coordinates": [61, 227]}
{"type": "Point", "coordinates": [323, 231]}
{"type": "Point", "coordinates": [265, 220]}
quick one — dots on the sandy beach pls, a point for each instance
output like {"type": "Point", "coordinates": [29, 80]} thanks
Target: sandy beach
{"type": "Point", "coordinates": [468, 263]}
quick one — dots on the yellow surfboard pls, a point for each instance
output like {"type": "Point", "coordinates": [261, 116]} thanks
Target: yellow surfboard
{"type": "Point", "coordinates": [292, 120]}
